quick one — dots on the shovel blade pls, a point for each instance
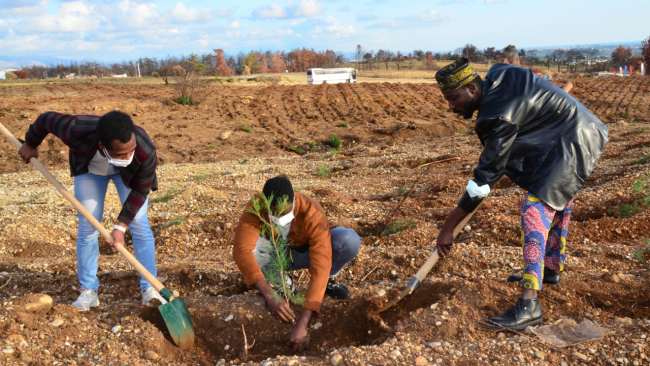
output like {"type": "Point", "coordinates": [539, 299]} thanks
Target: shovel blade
{"type": "Point", "coordinates": [179, 323]}
{"type": "Point", "coordinates": [413, 284]}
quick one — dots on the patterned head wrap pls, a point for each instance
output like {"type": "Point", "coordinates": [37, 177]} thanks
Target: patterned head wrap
{"type": "Point", "coordinates": [455, 75]}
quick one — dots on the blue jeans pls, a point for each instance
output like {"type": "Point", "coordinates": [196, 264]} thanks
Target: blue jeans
{"type": "Point", "coordinates": [345, 247]}
{"type": "Point", "coordinates": [90, 190]}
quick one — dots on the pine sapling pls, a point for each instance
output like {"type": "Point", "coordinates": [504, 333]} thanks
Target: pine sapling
{"type": "Point", "coordinates": [278, 247]}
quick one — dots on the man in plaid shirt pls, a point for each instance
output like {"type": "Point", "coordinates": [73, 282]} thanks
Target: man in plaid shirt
{"type": "Point", "coordinates": [105, 148]}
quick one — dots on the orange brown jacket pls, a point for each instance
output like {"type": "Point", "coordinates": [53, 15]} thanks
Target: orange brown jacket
{"type": "Point", "coordinates": [309, 227]}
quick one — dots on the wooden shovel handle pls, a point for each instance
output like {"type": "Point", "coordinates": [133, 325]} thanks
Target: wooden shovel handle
{"type": "Point", "coordinates": [82, 210]}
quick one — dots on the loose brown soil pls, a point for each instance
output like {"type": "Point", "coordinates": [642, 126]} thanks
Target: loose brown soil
{"type": "Point", "coordinates": [378, 163]}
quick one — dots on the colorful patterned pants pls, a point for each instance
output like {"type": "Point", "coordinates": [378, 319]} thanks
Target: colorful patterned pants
{"type": "Point", "coordinates": [544, 233]}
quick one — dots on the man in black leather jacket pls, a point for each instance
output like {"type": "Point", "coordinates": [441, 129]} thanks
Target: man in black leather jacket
{"type": "Point", "coordinates": [546, 142]}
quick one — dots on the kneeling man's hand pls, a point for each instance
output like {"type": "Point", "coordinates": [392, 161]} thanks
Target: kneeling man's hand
{"type": "Point", "coordinates": [280, 308]}
{"type": "Point", "coordinates": [300, 336]}
{"type": "Point", "coordinates": [118, 238]}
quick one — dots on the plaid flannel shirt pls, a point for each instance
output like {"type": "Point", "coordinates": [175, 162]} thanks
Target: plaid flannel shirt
{"type": "Point", "coordinates": [79, 134]}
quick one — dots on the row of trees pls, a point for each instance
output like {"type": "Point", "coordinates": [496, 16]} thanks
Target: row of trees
{"type": "Point", "coordinates": [300, 59]}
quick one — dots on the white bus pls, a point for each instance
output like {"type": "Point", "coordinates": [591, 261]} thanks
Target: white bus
{"type": "Point", "coordinates": [331, 76]}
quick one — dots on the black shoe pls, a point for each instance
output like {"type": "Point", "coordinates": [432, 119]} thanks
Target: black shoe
{"type": "Point", "coordinates": [525, 313]}
{"type": "Point", "coordinates": [551, 276]}
{"type": "Point", "coordinates": [337, 290]}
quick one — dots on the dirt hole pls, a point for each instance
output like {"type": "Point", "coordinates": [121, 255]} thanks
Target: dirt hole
{"type": "Point", "coordinates": [343, 323]}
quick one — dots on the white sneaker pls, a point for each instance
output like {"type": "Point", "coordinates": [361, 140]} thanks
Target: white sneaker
{"type": "Point", "coordinates": [88, 299]}
{"type": "Point", "coordinates": [150, 294]}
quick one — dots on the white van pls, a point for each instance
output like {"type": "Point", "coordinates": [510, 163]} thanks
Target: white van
{"type": "Point", "coordinates": [331, 76]}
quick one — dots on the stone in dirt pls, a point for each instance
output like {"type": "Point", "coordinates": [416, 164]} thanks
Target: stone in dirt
{"type": "Point", "coordinates": [224, 135]}
{"type": "Point", "coordinates": [381, 292]}
{"type": "Point", "coordinates": [36, 303]}
{"type": "Point", "coordinates": [57, 322]}
{"type": "Point", "coordinates": [151, 355]}
{"type": "Point", "coordinates": [421, 361]}
{"type": "Point", "coordinates": [611, 278]}
{"type": "Point", "coordinates": [336, 359]}
{"type": "Point", "coordinates": [580, 356]}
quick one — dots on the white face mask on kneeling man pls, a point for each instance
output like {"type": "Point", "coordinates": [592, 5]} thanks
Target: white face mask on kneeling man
{"type": "Point", "coordinates": [284, 222]}
{"type": "Point", "coordinates": [120, 163]}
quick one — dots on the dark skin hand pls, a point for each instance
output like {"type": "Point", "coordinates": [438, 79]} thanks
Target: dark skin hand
{"type": "Point", "coordinates": [446, 235]}
{"type": "Point", "coordinates": [281, 309]}
{"type": "Point", "coordinates": [118, 150]}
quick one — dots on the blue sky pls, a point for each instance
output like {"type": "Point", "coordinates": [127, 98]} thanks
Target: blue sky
{"type": "Point", "coordinates": [127, 29]}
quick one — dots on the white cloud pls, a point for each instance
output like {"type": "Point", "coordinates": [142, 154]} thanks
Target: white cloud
{"type": "Point", "coordinates": [75, 16]}
{"type": "Point", "coordinates": [181, 14]}
{"type": "Point", "coordinates": [235, 24]}
{"type": "Point", "coordinates": [306, 8]}
{"type": "Point", "coordinates": [332, 28]}
{"type": "Point", "coordinates": [494, 1]}
{"type": "Point", "coordinates": [296, 22]}
{"type": "Point", "coordinates": [270, 11]}
{"type": "Point", "coordinates": [382, 40]}
{"type": "Point", "coordinates": [24, 8]}
{"type": "Point", "coordinates": [266, 34]}
{"type": "Point", "coordinates": [130, 15]}
{"type": "Point", "coordinates": [301, 8]}
{"type": "Point", "coordinates": [366, 17]}
{"type": "Point", "coordinates": [423, 19]}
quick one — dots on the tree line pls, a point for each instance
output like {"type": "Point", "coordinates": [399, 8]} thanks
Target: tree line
{"type": "Point", "coordinates": [220, 63]}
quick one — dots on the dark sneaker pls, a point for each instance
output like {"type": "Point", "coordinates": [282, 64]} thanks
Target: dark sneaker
{"type": "Point", "coordinates": [525, 313]}
{"type": "Point", "coordinates": [551, 277]}
{"type": "Point", "coordinates": [337, 290]}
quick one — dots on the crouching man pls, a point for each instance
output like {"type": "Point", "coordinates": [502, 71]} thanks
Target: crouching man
{"type": "Point", "coordinates": [104, 149]}
{"type": "Point", "coordinates": [315, 244]}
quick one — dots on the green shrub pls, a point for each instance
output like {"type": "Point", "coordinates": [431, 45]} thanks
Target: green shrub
{"type": "Point", "coordinates": [201, 176]}
{"type": "Point", "coordinates": [323, 170]}
{"type": "Point", "coordinates": [335, 141]}
{"type": "Point", "coordinates": [169, 195]}
{"type": "Point", "coordinates": [346, 125]}
{"type": "Point", "coordinates": [296, 149]}
{"type": "Point", "coordinates": [212, 146]}
{"type": "Point", "coordinates": [155, 74]}
{"type": "Point", "coordinates": [312, 145]}
{"type": "Point", "coordinates": [178, 220]}
{"type": "Point", "coordinates": [398, 226]}
{"type": "Point", "coordinates": [245, 128]}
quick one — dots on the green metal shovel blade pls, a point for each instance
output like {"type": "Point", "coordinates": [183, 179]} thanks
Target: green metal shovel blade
{"type": "Point", "coordinates": [178, 320]}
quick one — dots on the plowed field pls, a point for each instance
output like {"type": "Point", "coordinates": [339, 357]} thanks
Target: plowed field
{"type": "Point", "coordinates": [615, 98]}
{"type": "Point", "coordinates": [281, 117]}
{"type": "Point", "coordinates": [203, 191]}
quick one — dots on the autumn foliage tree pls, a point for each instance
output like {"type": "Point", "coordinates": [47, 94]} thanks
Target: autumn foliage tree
{"type": "Point", "coordinates": [645, 51]}
{"type": "Point", "coordinates": [222, 68]}
{"type": "Point", "coordinates": [430, 62]}
{"type": "Point", "coordinates": [277, 63]}
{"type": "Point", "coordinates": [621, 56]}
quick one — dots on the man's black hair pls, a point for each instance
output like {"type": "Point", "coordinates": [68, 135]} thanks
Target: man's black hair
{"type": "Point", "coordinates": [113, 126]}
{"type": "Point", "coordinates": [278, 187]}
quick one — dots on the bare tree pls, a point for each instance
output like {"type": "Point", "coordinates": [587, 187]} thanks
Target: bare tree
{"type": "Point", "coordinates": [358, 54]}
{"type": "Point", "coordinates": [559, 58]}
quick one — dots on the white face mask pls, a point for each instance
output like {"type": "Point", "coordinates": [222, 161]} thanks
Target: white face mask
{"type": "Point", "coordinates": [119, 162]}
{"type": "Point", "coordinates": [284, 222]}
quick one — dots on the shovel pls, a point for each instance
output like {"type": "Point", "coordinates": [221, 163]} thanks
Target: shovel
{"type": "Point", "coordinates": [175, 313]}
{"type": "Point", "coordinates": [428, 265]}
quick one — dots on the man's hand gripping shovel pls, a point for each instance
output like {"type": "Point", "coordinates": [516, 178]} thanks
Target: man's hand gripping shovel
{"type": "Point", "coordinates": [175, 312]}
{"type": "Point", "coordinates": [428, 265]}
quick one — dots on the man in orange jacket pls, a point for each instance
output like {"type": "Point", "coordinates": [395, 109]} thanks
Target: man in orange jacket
{"type": "Point", "coordinates": [315, 244]}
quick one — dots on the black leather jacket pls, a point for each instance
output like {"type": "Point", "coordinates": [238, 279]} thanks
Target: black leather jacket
{"type": "Point", "coordinates": [539, 136]}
